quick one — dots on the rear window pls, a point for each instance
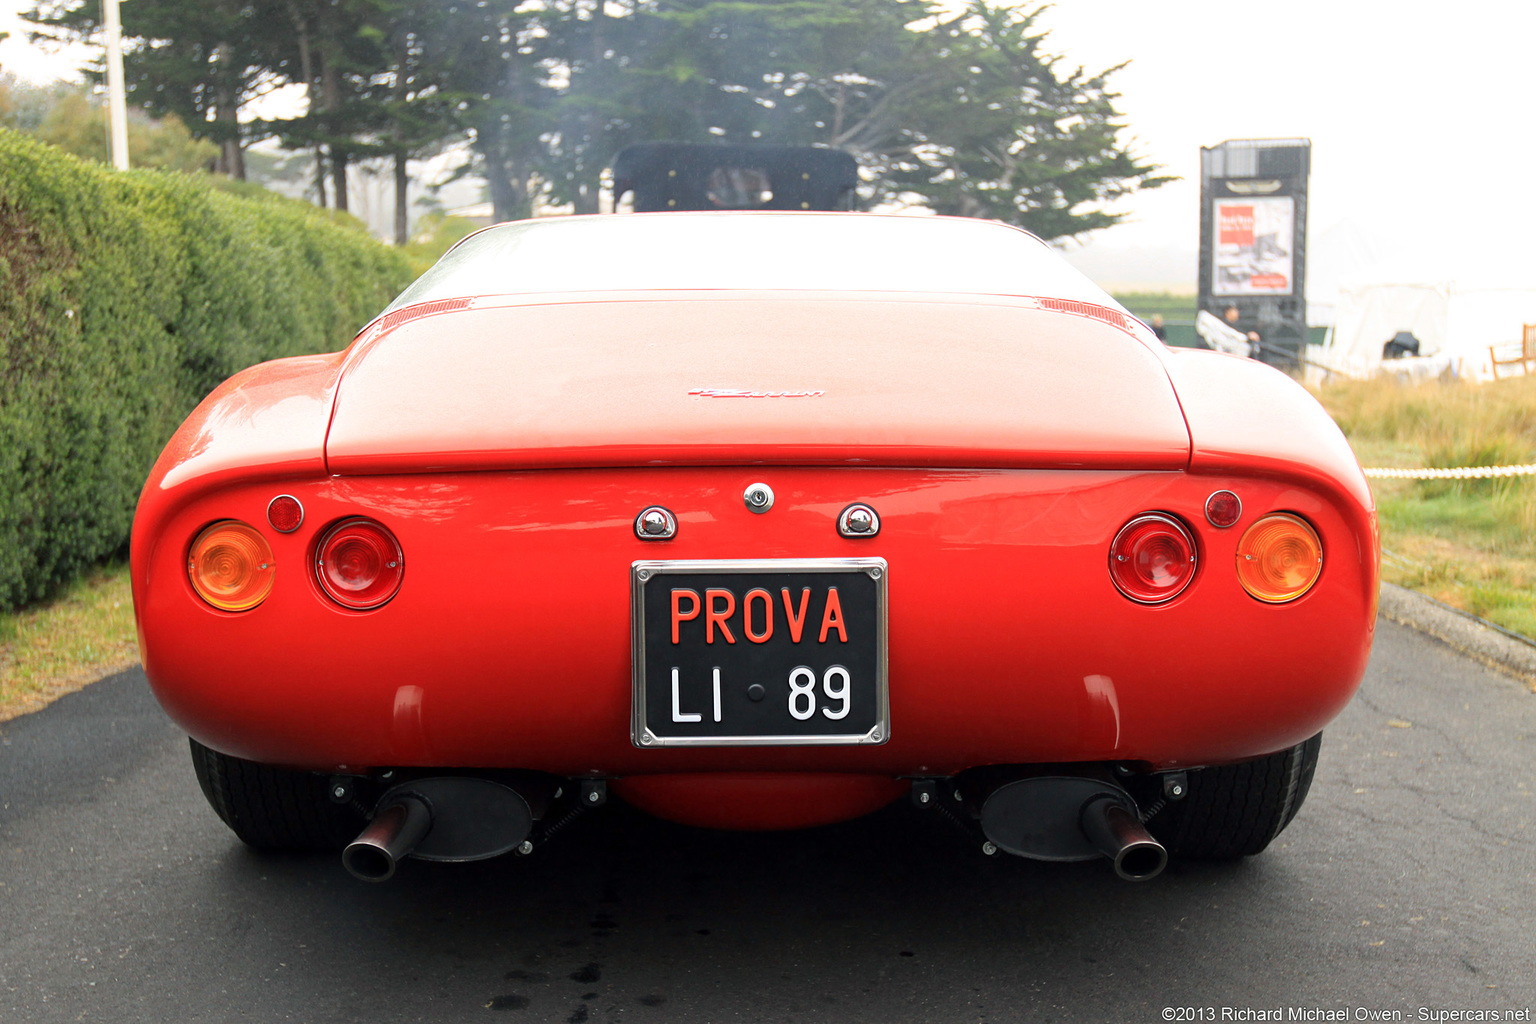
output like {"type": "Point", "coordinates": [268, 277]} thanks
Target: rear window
{"type": "Point", "coordinates": [751, 251]}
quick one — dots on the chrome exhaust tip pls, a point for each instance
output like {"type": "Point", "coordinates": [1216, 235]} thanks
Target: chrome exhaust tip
{"type": "Point", "coordinates": [1116, 831]}
{"type": "Point", "coordinates": [399, 825]}
{"type": "Point", "coordinates": [448, 818]}
{"type": "Point", "coordinates": [1072, 818]}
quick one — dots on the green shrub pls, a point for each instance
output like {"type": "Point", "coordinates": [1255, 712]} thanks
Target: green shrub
{"type": "Point", "coordinates": [124, 299]}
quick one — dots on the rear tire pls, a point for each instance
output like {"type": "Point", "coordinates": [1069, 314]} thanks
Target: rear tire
{"type": "Point", "coordinates": [1237, 810]}
{"type": "Point", "coordinates": [273, 808]}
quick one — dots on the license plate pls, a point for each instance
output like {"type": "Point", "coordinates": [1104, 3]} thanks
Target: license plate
{"type": "Point", "coordinates": [764, 652]}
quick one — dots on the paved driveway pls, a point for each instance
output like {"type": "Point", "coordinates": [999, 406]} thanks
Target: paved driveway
{"type": "Point", "coordinates": [1408, 881]}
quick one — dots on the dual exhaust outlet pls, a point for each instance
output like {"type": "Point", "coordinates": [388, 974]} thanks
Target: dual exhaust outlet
{"type": "Point", "coordinates": [1048, 818]}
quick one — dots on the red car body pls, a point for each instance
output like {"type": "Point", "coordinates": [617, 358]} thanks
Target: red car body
{"type": "Point", "coordinates": [508, 442]}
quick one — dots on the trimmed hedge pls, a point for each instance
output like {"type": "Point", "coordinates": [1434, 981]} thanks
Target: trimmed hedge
{"type": "Point", "coordinates": [124, 299]}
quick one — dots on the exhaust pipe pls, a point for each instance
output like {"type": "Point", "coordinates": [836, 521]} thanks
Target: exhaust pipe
{"type": "Point", "coordinates": [453, 818]}
{"type": "Point", "coordinates": [398, 826]}
{"type": "Point", "coordinates": [1067, 818]}
{"type": "Point", "coordinates": [1116, 831]}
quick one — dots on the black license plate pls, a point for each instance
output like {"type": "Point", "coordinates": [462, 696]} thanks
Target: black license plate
{"type": "Point", "coordinates": [759, 652]}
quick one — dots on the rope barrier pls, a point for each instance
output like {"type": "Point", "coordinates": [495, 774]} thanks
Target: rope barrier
{"type": "Point", "coordinates": [1459, 473]}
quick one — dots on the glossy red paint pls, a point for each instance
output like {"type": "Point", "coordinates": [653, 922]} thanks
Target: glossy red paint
{"type": "Point", "coordinates": [512, 475]}
{"type": "Point", "coordinates": [608, 381]}
{"type": "Point", "coordinates": [1008, 640]}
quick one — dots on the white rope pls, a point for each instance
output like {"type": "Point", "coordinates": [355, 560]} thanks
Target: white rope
{"type": "Point", "coordinates": [1459, 473]}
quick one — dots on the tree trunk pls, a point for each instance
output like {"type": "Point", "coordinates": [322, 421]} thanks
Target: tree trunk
{"type": "Point", "coordinates": [339, 177]}
{"type": "Point", "coordinates": [402, 204]}
{"type": "Point", "coordinates": [307, 70]}
{"type": "Point", "coordinates": [509, 191]}
{"type": "Point", "coordinates": [231, 159]}
{"type": "Point", "coordinates": [320, 175]}
{"type": "Point", "coordinates": [330, 90]}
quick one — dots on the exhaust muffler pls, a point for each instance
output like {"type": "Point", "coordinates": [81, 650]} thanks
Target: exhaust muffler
{"type": "Point", "coordinates": [1058, 818]}
{"type": "Point", "coordinates": [452, 818]}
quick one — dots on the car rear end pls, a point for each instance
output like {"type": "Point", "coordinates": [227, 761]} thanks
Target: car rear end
{"type": "Point", "coordinates": [765, 560]}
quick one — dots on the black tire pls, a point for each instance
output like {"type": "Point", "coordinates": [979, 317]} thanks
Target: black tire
{"type": "Point", "coordinates": [273, 808]}
{"type": "Point", "coordinates": [1237, 810]}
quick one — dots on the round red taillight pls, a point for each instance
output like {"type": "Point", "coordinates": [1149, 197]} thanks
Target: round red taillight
{"type": "Point", "coordinates": [359, 564]}
{"type": "Point", "coordinates": [1152, 558]}
{"type": "Point", "coordinates": [285, 513]}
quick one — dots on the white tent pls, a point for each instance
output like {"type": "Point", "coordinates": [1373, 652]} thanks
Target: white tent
{"type": "Point", "coordinates": [1456, 315]}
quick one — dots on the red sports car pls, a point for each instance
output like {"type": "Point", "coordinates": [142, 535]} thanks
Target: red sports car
{"type": "Point", "coordinates": [757, 521]}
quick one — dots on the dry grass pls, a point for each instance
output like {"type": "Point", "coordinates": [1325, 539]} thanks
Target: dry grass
{"type": "Point", "coordinates": [85, 633]}
{"type": "Point", "coordinates": [1471, 544]}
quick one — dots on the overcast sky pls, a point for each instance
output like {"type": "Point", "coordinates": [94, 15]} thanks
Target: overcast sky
{"type": "Point", "coordinates": [1420, 115]}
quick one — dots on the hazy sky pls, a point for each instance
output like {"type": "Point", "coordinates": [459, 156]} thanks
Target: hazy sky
{"type": "Point", "coordinates": [1420, 115]}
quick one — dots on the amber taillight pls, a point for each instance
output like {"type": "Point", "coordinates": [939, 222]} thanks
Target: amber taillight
{"type": "Point", "coordinates": [231, 566]}
{"type": "Point", "coordinates": [1279, 558]}
{"type": "Point", "coordinates": [1152, 558]}
{"type": "Point", "coordinates": [359, 564]}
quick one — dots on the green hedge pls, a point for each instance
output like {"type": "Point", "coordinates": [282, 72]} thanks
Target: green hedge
{"type": "Point", "coordinates": [124, 299]}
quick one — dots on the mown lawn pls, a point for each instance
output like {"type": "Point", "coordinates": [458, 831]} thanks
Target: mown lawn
{"type": "Point", "coordinates": [84, 633]}
{"type": "Point", "coordinates": [1471, 544]}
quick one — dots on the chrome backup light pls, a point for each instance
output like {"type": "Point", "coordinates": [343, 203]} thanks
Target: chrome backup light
{"type": "Point", "coordinates": [655, 523]}
{"type": "Point", "coordinates": [858, 521]}
{"type": "Point", "coordinates": [1152, 558]}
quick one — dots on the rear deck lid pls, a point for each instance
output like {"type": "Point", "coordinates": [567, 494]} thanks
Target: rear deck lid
{"type": "Point", "coordinates": [657, 378]}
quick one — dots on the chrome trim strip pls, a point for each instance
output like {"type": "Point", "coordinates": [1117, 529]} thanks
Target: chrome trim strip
{"type": "Point", "coordinates": [642, 572]}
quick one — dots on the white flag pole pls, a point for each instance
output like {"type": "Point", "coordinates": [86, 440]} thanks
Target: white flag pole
{"type": "Point", "coordinates": [117, 98]}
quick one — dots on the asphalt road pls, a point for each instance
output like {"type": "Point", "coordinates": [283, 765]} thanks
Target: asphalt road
{"type": "Point", "coordinates": [1407, 883]}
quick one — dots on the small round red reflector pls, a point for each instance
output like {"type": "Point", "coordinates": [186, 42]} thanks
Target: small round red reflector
{"type": "Point", "coordinates": [359, 564]}
{"type": "Point", "coordinates": [1223, 509]}
{"type": "Point", "coordinates": [285, 513]}
{"type": "Point", "coordinates": [1279, 558]}
{"type": "Point", "coordinates": [1152, 558]}
{"type": "Point", "coordinates": [231, 566]}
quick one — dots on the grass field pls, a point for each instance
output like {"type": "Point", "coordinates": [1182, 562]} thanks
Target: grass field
{"type": "Point", "coordinates": [1471, 544]}
{"type": "Point", "coordinates": [81, 635]}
